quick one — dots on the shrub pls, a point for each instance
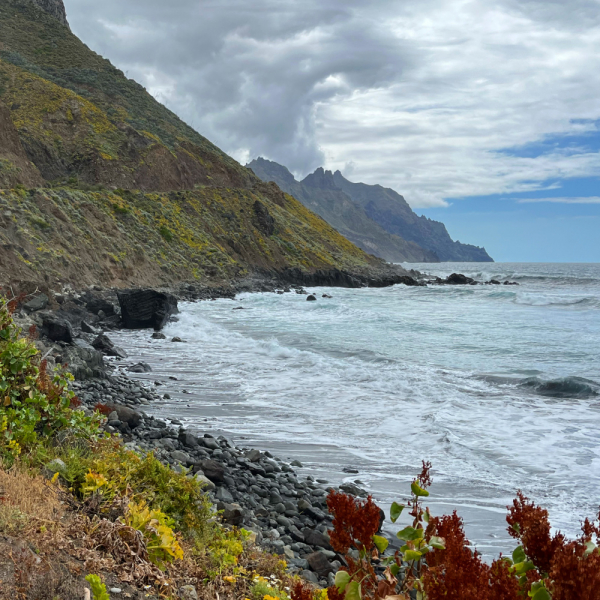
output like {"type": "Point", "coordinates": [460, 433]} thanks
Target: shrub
{"type": "Point", "coordinates": [116, 471]}
{"type": "Point", "coordinates": [98, 588]}
{"type": "Point", "coordinates": [166, 234]}
{"type": "Point", "coordinates": [33, 403]}
{"type": "Point", "coordinates": [435, 562]}
{"type": "Point", "coordinates": [161, 542]}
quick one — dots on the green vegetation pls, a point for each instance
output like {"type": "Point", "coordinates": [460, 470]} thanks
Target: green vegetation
{"type": "Point", "coordinates": [106, 237]}
{"type": "Point", "coordinates": [98, 588]}
{"type": "Point", "coordinates": [139, 513]}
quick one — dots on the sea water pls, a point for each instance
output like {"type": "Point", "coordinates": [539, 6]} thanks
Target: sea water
{"type": "Point", "coordinates": [497, 386]}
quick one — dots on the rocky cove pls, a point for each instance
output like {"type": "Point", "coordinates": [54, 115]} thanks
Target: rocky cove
{"type": "Point", "coordinates": [285, 513]}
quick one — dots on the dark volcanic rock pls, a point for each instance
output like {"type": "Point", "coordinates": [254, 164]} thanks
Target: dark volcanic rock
{"type": "Point", "coordinates": [105, 345]}
{"type": "Point", "coordinates": [127, 415]}
{"type": "Point", "coordinates": [458, 279]}
{"type": "Point", "coordinates": [320, 564]}
{"type": "Point", "coordinates": [311, 298]}
{"type": "Point", "coordinates": [263, 220]}
{"type": "Point", "coordinates": [97, 304]}
{"type": "Point", "coordinates": [312, 537]}
{"type": "Point", "coordinates": [141, 309]}
{"type": "Point", "coordinates": [58, 329]}
{"type": "Point", "coordinates": [213, 470]}
{"type": "Point", "coordinates": [38, 303]}
{"type": "Point", "coordinates": [140, 367]}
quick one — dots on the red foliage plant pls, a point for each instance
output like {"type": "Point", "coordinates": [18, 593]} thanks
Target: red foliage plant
{"type": "Point", "coordinates": [32, 333]}
{"type": "Point", "coordinates": [302, 591]}
{"type": "Point", "coordinates": [530, 524]}
{"type": "Point", "coordinates": [457, 573]}
{"type": "Point", "coordinates": [354, 522]}
{"type": "Point", "coordinates": [103, 409]}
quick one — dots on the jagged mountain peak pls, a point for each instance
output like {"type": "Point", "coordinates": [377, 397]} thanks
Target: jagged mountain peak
{"type": "Point", "coordinates": [321, 179]}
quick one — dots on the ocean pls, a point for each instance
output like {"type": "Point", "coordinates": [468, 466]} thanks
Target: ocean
{"type": "Point", "coordinates": [497, 386]}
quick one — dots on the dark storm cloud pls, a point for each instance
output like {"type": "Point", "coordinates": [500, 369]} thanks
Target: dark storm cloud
{"type": "Point", "coordinates": [247, 74]}
{"type": "Point", "coordinates": [418, 95]}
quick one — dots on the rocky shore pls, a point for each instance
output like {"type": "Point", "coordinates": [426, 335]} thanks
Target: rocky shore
{"type": "Point", "coordinates": [285, 513]}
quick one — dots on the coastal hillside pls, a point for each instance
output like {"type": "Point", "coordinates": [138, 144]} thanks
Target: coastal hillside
{"type": "Point", "coordinates": [373, 217]}
{"type": "Point", "coordinates": [319, 193]}
{"type": "Point", "coordinates": [101, 184]}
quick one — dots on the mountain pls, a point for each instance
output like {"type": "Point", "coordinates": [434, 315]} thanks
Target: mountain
{"type": "Point", "coordinates": [101, 184]}
{"type": "Point", "coordinates": [375, 218]}
{"type": "Point", "coordinates": [392, 212]}
{"type": "Point", "coordinates": [320, 193]}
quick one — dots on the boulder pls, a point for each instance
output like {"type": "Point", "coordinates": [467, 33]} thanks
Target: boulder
{"type": "Point", "coordinates": [58, 329]}
{"type": "Point", "coordinates": [105, 345]}
{"type": "Point", "coordinates": [126, 415]}
{"type": "Point", "coordinates": [140, 367]}
{"type": "Point", "coordinates": [97, 304]}
{"type": "Point", "coordinates": [233, 514]}
{"type": "Point", "coordinates": [320, 564]}
{"type": "Point", "coordinates": [206, 483]}
{"type": "Point", "coordinates": [84, 361]}
{"type": "Point", "coordinates": [38, 303]}
{"type": "Point", "coordinates": [224, 495]}
{"type": "Point", "coordinates": [312, 537]}
{"type": "Point", "coordinates": [87, 328]}
{"type": "Point", "coordinates": [253, 455]}
{"type": "Point", "coordinates": [213, 470]}
{"type": "Point", "coordinates": [311, 298]}
{"type": "Point", "coordinates": [188, 439]}
{"type": "Point", "coordinates": [157, 335]}
{"type": "Point", "coordinates": [354, 490]}
{"type": "Point", "coordinates": [142, 309]}
{"type": "Point", "coordinates": [458, 279]}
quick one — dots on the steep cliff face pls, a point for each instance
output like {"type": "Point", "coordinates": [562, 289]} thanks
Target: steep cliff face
{"type": "Point", "coordinates": [320, 193]}
{"type": "Point", "coordinates": [54, 8]}
{"type": "Point", "coordinates": [392, 212]}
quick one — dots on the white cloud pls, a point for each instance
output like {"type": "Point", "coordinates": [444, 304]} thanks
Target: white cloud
{"type": "Point", "coordinates": [418, 95]}
{"type": "Point", "coordinates": [566, 200]}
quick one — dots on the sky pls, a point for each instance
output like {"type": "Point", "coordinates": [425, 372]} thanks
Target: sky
{"type": "Point", "coordinates": [484, 114]}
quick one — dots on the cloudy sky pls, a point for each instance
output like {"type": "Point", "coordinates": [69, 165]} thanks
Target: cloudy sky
{"type": "Point", "coordinates": [484, 114]}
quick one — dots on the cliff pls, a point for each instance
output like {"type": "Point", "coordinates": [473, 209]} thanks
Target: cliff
{"type": "Point", "coordinates": [320, 193]}
{"type": "Point", "coordinates": [390, 210]}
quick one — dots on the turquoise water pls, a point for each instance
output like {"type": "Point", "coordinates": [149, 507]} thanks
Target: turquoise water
{"type": "Point", "coordinates": [496, 385]}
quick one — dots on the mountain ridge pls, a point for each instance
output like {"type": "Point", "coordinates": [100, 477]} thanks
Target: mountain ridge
{"type": "Point", "coordinates": [319, 193]}
{"type": "Point", "coordinates": [382, 213]}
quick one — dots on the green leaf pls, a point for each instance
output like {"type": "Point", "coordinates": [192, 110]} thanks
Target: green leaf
{"type": "Point", "coordinates": [589, 548]}
{"type": "Point", "coordinates": [342, 579]}
{"type": "Point", "coordinates": [437, 542]}
{"type": "Point", "coordinates": [381, 543]}
{"type": "Point", "coordinates": [417, 490]}
{"type": "Point", "coordinates": [523, 567]}
{"type": "Point", "coordinates": [539, 591]}
{"type": "Point", "coordinates": [519, 555]}
{"type": "Point", "coordinates": [410, 533]}
{"type": "Point", "coordinates": [394, 569]}
{"type": "Point", "coordinates": [412, 555]}
{"type": "Point", "coordinates": [353, 591]}
{"type": "Point", "coordinates": [395, 511]}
